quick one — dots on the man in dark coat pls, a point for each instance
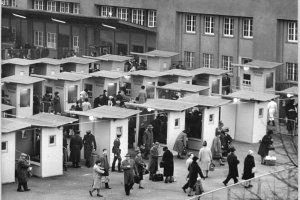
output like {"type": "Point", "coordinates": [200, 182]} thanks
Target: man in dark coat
{"type": "Point", "coordinates": [249, 164]}
{"type": "Point", "coordinates": [117, 153]}
{"type": "Point", "coordinates": [153, 162]}
{"type": "Point", "coordinates": [168, 164]}
{"type": "Point", "coordinates": [266, 141]}
{"type": "Point", "coordinates": [105, 165]}
{"type": "Point", "coordinates": [89, 143]}
{"type": "Point", "coordinates": [56, 103]}
{"type": "Point", "coordinates": [233, 169]}
{"type": "Point", "coordinates": [226, 84]}
{"type": "Point", "coordinates": [98, 101]}
{"type": "Point", "coordinates": [22, 173]}
{"type": "Point", "coordinates": [148, 140]}
{"type": "Point", "coordinates": [75, 148]}
{"type": "Point", "coordinates": [128, 166]}
{"type": "Point", "coordinates": [193, 174]}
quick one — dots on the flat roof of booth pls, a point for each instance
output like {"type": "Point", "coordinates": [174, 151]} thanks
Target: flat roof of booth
{"type": "Point", "coordinates": [51, 61]}
{"type": "Point", "coordinates": [259, 64]}
{"type": "Point", "coordinates": [5, 107]}
{"type": "Point", "coordinates": [147, 73]}
{"type": "Point", "coordinates": [210, 71]}
{"type": "Point", "coordinates": [251, 96]}
{"type": "Point", "coordinates": [79, 60]}
{"type": "Point", "coordinates": [111, 57]}
{"type": "Point", "coordinates": [157, 53]}
{"type": "Point", "coordinates": [19, 61]}
{"type": "Point", "coordinates": [184, 87]}
{"type": "Point", "coordinates": [12, 124]}
{"type": "Point", "coordinates": [109, 74]}
{"type": "Point", "coordinates": [21, 79]}
{"type": "Point", "coordinates": [292, 90]}
{"type": "Point", "coordinates": [66, 76]}
{"type": "Point", "coordinates": [177, 72]}
{"type": "Point", "coordinates": [202, 100]}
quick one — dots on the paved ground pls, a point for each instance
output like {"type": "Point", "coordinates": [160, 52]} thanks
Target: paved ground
{"type": "Point", "coordinates": [75, 183]}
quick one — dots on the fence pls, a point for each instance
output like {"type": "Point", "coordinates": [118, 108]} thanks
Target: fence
{"type": "Point", "coordinates": [281, 184]}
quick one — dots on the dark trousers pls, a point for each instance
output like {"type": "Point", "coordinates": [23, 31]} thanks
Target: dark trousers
{"type": "Point", "coordinates": [146, 154]}
{"type": "Point", "coordinates": [116, 157]}
{"type": "Point", "coordinates": [230, 177]}
{"type": "Point", "coordinates": [76, 164]}
{"type": "Point", "coordinates": [186, 185]}
{"type": "Point", "coordinates": [88, 162]}
{"type": "Point", "coordinates": [24, 184]}
{"type": "Point", "coordinates": [128, 188]}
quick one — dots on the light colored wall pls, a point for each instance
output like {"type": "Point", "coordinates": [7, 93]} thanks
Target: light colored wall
{"type": "Point", "coordinates": [24, 111]}
{"type": "Point", "coordinates": [8, 158]}
{"type": "Point", "coordinates": [229, 117]}
{"type": "Point", "coordinates": [244, 122]}
{"type": "Point", "coordinates": [166, 61]}
{"type": "Point", "coordinates": [209, 128]}
{"type": "Point", "coordinates": [20, 68]}
{"type": "Point", "coordinates": [82, 68]}
{"type": "Point", "coordinates": [213, 78]}
{"type": "Point", "coordinates": [118, 66]}
{"type": "Point", "coordinates": [106, 65]}
{"type": "Point", "coordinates": [124, 138]}
{"type": "Point", "coordinates": [84, 125]}
{"type": "Point", "coordinates": [153, 63]}
{"type": "Point", "coordinates": [50, 68]}
{"type": "Point", "coordinates": [67, 105]}
{"type": "Point", "coordinates": [172, 131]}
{"type": "Point", "coordinates": [259, 124]}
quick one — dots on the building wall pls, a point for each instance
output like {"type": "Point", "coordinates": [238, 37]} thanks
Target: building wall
{"type": "Point", "coordinates": [8, 158]}
{"type": "Point", "coordinates": [209, 127]}
{"type": "Point", "coordinates": [245, 122]}
{"type": "Point", "coordinates": [172, 130]}
{"type": "Point", "coordinates": [19, 70]}
{"type": "Point", "coordinates": [52, 69]}
{"type": "Point", "coordinates": [259, 123]}
{"type": "Point", "coordinates": [82, 68]}
{"type": "Point", "coordinates": [24, 111]}
{"type": "Point", "coordinates": [123, 139]}
{"type": "Point", "coordinates": [229, 118]}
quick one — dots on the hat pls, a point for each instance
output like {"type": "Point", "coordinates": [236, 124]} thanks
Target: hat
{"type": "Point", "coordinates": [127, 155]}
{"type": "Point", "coordinates": [250, 152]}
{"type": "Point", "coordinates": [88, 131]}
{"type": "Point", "coordinates": [165, 148]}
{"type": "Point", "coordinates": [190, 153]}
{"type": "Point", "coordinates": [150, 126]}
{"type": "Point", "coordinates": [195, 158]}
{"type": "Point", "coordinates": [56, 92]}
{"type": "Point", "coordinates": [232, 149]}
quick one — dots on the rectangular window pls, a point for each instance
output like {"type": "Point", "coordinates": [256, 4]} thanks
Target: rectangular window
{"type": "Point", "coordinates": [248, 28]}
{"type": "Point", "coordinates": [228, 26]}
{"type": "Point", "coordinates": [4, 146]}
{"type": "Point", "coordinates": [39, 5]}
{"type": "Point", "coordinates": [25, 98]}
{"type": "Point", "coordinates": [67, 7]}
{"type": "Point", "coordinates": [5, 2]}
{"type": "Point", "coordinates": [260, 113]}
{"type": "Point", "coordinates": [51, 6]}
{"type": "Point", "coordinates": [119, 130]}
{"type": "Point", "coordinates": [23, 134]}
{"type": "Point", "coordinates": [106, 11]}
{"type": "Point", "coordinates": [292, 32]}
{"type": "Point", "coordinates": [14, 33]}
{"type": "Point", "coordinates": [270, 80]}
{"type": "Point", "coordinates": [211, 119]}
{"type": "Point", "coordinates": [151, 18]}
{"type": "Point", "coordinates": [190, 24]}
{"type": "Point", "coordinates": [138, 16]}
{"type": "Point", "coordinates": [76, 43]}
{"type": "Point", "coordinates": [62, 7]}
{"type": "Point", "coordinates": [52, 140]}
{"type": "Point", "coordinates": [51, 40]}
{"type": "Point", "coordinates": [292, 71]}
{"type": "Point", "coordinates": [38, 38]}
{"type": "Point", "coordinates": [226, 62]}
{"type": "Point", "coordinates": [209, 26]}
{"type": "Point", "coordinates": [189, 59]}
{"type": "Point", "coordinates": [177, 123]}
{"type": "Point", "coordinates": [13, 3]}
{"type": "Point", "coordinates": [72, 93]}
{"type": "Point", "coordinates": [122, 13]}
{"type": "Point", "coordinates": [208, 60]}
{"type": "Point", "coordinates": [76, 8]}
{"type": "Point", "coordinates": [246, 79]}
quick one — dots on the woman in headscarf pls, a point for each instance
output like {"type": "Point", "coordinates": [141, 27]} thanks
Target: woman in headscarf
{"type": "Point", "coordinates": [180, 143]}
{"type": "Point", "coordinates": [249, 164]}
{"type": "Point", "coordinates": [193, 174]}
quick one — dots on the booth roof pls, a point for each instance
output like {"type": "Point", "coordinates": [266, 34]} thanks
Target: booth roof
{"type": "Point", "coordinates": [177, 72]}
{"type": "Point", "coordinates": [5, 107]}
{"type": "Point", "coordinates": [250, 95]}
{"type": "Point", "coordinates": [109, 74]}
{"type": "Point", "coordinates": [79, 60]}
{"type": "Point", "coordinates": [184, 87]}
{"type": "Point", "coordinates": [201, 100]}
{"type": "Point", "coordinates": [108, 112]}
{"type": "Point", "coordinates": [292, 90]}
{"type": "Point", "coordinates": [147, 73]}
{"type": "Point", "coordinates": [67, 76]}
{"type": "Point", "coordinates": [210, 71]}
{"type": "Point", "coordinates": [12, 124]}
{"type": "Point", "coordinates": [111, 57]}
{"type": "Point", "coordinates": [21, 79]}
{"type": "Point", "coordinates": [19, 61]}
{"type": "Point", "coordinates": [157, 53]}
{"type": "Point", "coordinates": [259, 64]}
{"type": "Point", "coordinates": [51, 61]}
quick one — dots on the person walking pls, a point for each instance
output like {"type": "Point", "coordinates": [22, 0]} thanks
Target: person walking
{"type": "Point", "coordinates": [56, 103]}
{"type": "Point", "coordinates": [263, 150]}
{"type": "Point", "coordinates": [142, 95]}
{"type": "Point", "coordinates": [129, 171]}
{"type": "Point", "coordinates": [226, 140]}
{"type": "Point", "coordinates": [180, 144]}
{"type": "Point", "coordinates": [233, 169]}
{"type": "Point", "coordinates": [89, 144]}
{"type": "Point", "coordinates": [272, 110]}
{"type": "Point", "coordinates": [226, 84]}
{"type": "Point", "coordinates": [216, 149]}
{"type": "Point", "coordinates": [168, 165]}
{"type": "Point", "coordinates": [98, 172]}
{"type": "Point", "coordinates": [117, 154]}
{"type": "Point", "coordinates": [75, 148]}
{"type": "Point", "coordinates": [148, 140]}
{"type": "Point", "coordinates": [193, 174]}
{"type": "Point", "coordinates": [188, 163]}
{"type": "Point", "coordinates": [205, 158]}
{"type": "Point", "coordinates": [105, 165]}
{"type": "Point", "coordinates": [153, 161]}
{"type": "Point", "coordinates": [140, 166]}
{"type": "Point", "coordinates": [249, 168]}
{"type": "Point", "coordinates": [23, 166]}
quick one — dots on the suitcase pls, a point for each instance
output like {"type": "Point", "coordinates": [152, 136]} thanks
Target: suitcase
{"type": "Point", "coordinates": [199, 187]}
{"type": "Point", "coordinates": [158, 177]}
{"type": "Point", "coordinates": [270, 160]}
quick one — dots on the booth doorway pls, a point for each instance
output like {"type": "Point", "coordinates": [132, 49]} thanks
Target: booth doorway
{"type": "Point", "coordinates": [112, 89]}
{"type": "Point", "coordinates": [193, 122]}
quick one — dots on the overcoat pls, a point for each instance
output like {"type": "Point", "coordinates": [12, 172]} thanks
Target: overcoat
{"type": "Point", "coordinates": [233, 163]}
{"type": "Point", "coordinates": [153, 165]}
{"type": "Point", "coordinates": [193, 173]}
{"type": "Point", "coordinates": [89, 143]}
{"type": "Point", "coordinates": [75, 147]}
{"type": "Point", "coordinates": [168, 163]}
{"type": "Point", "coordinates": [116, 148]}
{"type": "Point", "coordinates": [148, 138]}
{"type": "Point", "coordinates": [142, 95]}
{"type": "Point", "coordinates": [180, 142]}
{"type": "Point", "coordinates": [22, 170]}
{"type": "Point", "coordinates": [205, 158]}
{"type": "Point", "coordinates": [56, 104]}
{"type": "Point", "coordinates": [139, 165]}
{"type": "Point", "coordinates": [248, 165]}
{"type": "Point", "coordinates": [265, 143]}
{"type": "Point", "coordinates": [216, 148]}
{"type": "Point", "coordinates": [129, 170]}
{"type": "Point", "coordinates": [97, 175]}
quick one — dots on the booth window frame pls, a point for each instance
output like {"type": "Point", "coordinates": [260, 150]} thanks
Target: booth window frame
{"type": "Point", "coordinates": [50, 140]}
{"type": "Point", "coordinates": [211, 118]}
{"type": "Point", "coordinates": [5, 144]}
{"type": "Point", "coordinates": [177, 121]}
{"type": "Point", "coordinates": [260, 112]}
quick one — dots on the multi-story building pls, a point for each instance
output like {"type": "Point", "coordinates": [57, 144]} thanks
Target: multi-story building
{"type": "Point", "coordinates": [206, 33]}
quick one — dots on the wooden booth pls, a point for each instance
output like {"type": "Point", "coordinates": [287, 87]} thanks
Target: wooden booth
{"type": "Point", "coordinates": [258, 76]}
{"type": "Point", "coordinates": [20, 90]}
{"type": "Point", "coordinates": [175, 76]}
{"type": "Point", "coordinates": [77, 64]}
{"type": "Point", "coordinates": [46, 66]}
{"type": "Point", "coordinates": [16, 66]}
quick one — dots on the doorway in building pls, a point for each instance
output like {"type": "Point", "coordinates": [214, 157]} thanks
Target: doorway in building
{"type": "Point", "coordinates": [122, 49]}
{"type": "Point", "coordinates": [193, 122]}
{"type": "Point", "coordinates": [112, 89]}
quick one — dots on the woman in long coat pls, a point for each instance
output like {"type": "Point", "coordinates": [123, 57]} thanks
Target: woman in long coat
{"type": "Point", "coordinates": [128, 166]}
{"type": "Point", "coordinates": [249, 164]}
{"type": "Point", "coordinates": [98, 171]}
{"type": "Point", "coordinates": [180, 143]}
{"type": "Point", "coordinates": [263, 150]}
{"type": "Point", "coordinates": [168, 164]}
{"type": "Point", "coordinates": [193, 174]}
{"type": "Point", "coordinates": [205, 158]}
{"type": "Point", "coordinates": [75, 148]}
{"type": "Point", "coordinates": [22, 173]}
{"type": "Point", "coordinates": [56, 103]}
{"type": "Point", "coordinates": [140, 166]}
{"type": "Point", "coordinates": [216, 149]}
{"type": "Point", "coordinates": [153, 161]}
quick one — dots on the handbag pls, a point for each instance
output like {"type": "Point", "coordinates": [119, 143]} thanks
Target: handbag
{"type": "Point", "coordinates": [271, 147]}
{"type": "Point", "coordinates": [161, 164]}
{"type": "Point", "coordinates": [211, 167]}
{"type": "Point", "coordinates": [136, 179]}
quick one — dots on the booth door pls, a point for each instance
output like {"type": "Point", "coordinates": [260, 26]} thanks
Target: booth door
{"type": "Point", "coordinates": [71, 95]}
{"type": "Point", "coordinates": [215, 87]}
{"type": "Point", "coordinates": [24, 104]}
{"type": "Point", "coordinates": [112, 89]}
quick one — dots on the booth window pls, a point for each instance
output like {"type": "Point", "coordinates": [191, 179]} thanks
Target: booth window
{"type": "Point", "coordinates": [269, 80]}
{"type": "Point", "coordinates": [119, 130]}
{"type": "Point", "coordinates": [52, 140]}
{"type": "Point", "coordinates": [246, 79]}
{"type": "Point", "coordinates": [177, 123]}
{"type": "Point", "coordinates": [72, 93]}
{"type": "Point", "coordinates": [24, 135]}
{"type": "Point", "coordinates": [25, 98]}
{"type": "Point", "coordinates": [89, 87]}
{"type": "Point", "coordinates": [260, 113]}
{"type": "Point", "coordinates": [150, 90]}
{"type": "Point", "coordinates": [211, 119]}
{"type": "Point", "coordinates": [21, 73]}
{"type": "Point", "coordinates": [4, 146]}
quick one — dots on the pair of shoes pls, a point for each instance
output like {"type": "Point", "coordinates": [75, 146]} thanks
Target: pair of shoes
{"type": "Point", "coordinates": [166, 181]}
{"type": "Point", "coordinates": [224, 183]}
{"type": "Point", "coordinates": [91, 194]}
{"type": "Point", "coordinates": [20, 190]}
{"type": "Point", "coordinates": [184, 189]}
{"type": "Point", "coordinates": [108, 187]}
{"type": "Point", "coordinates": [99, 195]}
{"type": "Point", "coordinates": [140, 187]}
{"type": "Point", "coordinates": [27, 190]}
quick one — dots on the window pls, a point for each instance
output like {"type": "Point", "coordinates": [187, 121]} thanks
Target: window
{"type": "Point", "coordinates": [25, 98]}
{"type": "Point", "coordinates": [51, 6]}
{"type": "Point", "coordinates": [106, 11]}
{"type": "Point", "coordinates": [211, 119]}
{"type": "Point", "coordinates": [209, 26]}
{"type": "Point", "coordinates": [5, 2]}
{"type": "Point", "coordinates": [190, 25]}
{"type": "Point", "coordinates": [39, 5]}
{"type": "Point", "coordinates": [270, 80]}
{"type": "Point", "coordinates": [4, 146]}
{"type": "Point", "coordinates": [226, 62]}
{"type": "Point", "coordinates": [138, 16]}
{"type": "Point", "coordinates": [228, 26]}
{"type": "Point", "coordinates": [51, 40]}
{"type": "Point", "coordinates": [76, 43]}
{"type": "Point", "coordinates": [152, 18]}
{"type": "Point", "coordinates": [122, 13]}
{"type": "Point", "coordinates": [260, 113]}
{"type": "Point", "coordinates": [62, 7]}
{"type": "Point", "coordinates": [52, 140]}
{"type": "Point", "coordinates": [292, 71]}
{"type": "Point", "coordinates": [246, 79]}
{"type": "Point", "coordinates": [23, 134]}
{"type": "Point", "coordinates": [292, 32]}
{"type": "Point", "coordinates": [208, 60]}
{"type": "Point", "coordinates": [13, 3]}
{"type": "Point", "coordinates": [189, 59]}
{"type": "Point", "coordinates": [38, 38]}
{"type": "Point", "coordinates": [76, 8]}
{"type": "Point", "coordinates": [177, 123]}
{"type": "Point", "coordinates": [89, 87]}
{"type": "Point", "coordinates": [72, 93]}
{"type": "Point", "coordinates": [248, 28]}
{"type": "Point", "coordinates": [119, 130]}
{"type": "Point", "coordinates": [14, 33]}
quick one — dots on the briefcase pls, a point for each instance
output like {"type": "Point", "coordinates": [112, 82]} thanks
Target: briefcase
{"type": "Point", "coordinates": [158, 177]}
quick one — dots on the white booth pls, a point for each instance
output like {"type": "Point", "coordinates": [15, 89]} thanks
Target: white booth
{"type": "Point", "coordinates": [16, 66]}
{"type": "Point", "coordinates": [77, 64]}
{"type": "Point", "coordinates": [46, 66]}
{"type": "Point", "coordinates": [175, 76]}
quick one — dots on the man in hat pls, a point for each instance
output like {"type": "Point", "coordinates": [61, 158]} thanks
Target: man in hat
{"type": "Point", "coordinates": [153, 162]}
{"type": "Point", "coordinates": [22, 172]}
{"type": "Point", "coordinates": [129, 172]}
{"type": "Point", "coordinates": [148, 140]}
{"type": "Point", "coordinates": [75, 148]}
{"type": "Point", "coordinates": [105, 165]}
{"type": "Point", "coordinates": [225, 141]}
{"type": "Point", "coordinates": [117, 153]}
{"type": "Point", "coordinates": [226, 84]}
{"type": "Point", "coordinates": [233, 169]}
{"type": "Point", "coordinates": [56, 103]}
{"type": "Point", "coordinates": [89, 143]}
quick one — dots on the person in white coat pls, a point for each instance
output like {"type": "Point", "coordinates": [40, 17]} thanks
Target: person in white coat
{"type": "Point", "coordinates": [272, 109]}
{"type": "Point", "coordinates": [205, 158]}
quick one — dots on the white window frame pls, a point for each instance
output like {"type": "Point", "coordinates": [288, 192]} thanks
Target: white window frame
{"type": "Point", "coordinates": [189, 58]}
{"type": "Point", "coordinates": [38, 38]}
{"type": "Point", "coordinates": [6, 149]}
{"type": "Point", "coordinates": [190, 24]}
{"type": "Point", "coordinates": [38, 4]}
{"type": "Point", "coordinates": [292, 71]}
{"type": "Point", "coordinates": [51, 40]}
{"type": "Point", "coordinates": [245, 81]}
{"type": "Point", "coordinates": [122, 13]}
{"type": "Point", "coordinates": [13, 3]}
{"type": "Point", "coordinates": [260, 115]}
{"type": "Point", "coordinates": [208, 60]}
{"type": "Point", "coordinates": [138, 16]}
{"type": "Point", "coordinates": [62, 7]}
{"type": "Point", "coordinates": [292, 32]}
{"type": "Point", "coordinates": [5, 2]}
{"type": "Point", "coordinates": [76, 43]}
{"type": "Point", "coordinates": [51, 6]}
{"type": "Point", "coordinates": [248, 28]}
{"type": "Point", "coordinates": [54, 143]}
{"type": "Point", "coordinates": [152, 18]}
{"type": "Point", "coordinates": [178, 121]}
{"type": "Point", "coordinates": [106, 10]}
{"type": "Point", "coordinates": [228, 27]}
{"type": "Point", "coordinates": [76, 8]}
{"type": "Point", "coordinates": [226, 62]}
{"type": "Point", "coordinates": [209, 25]}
